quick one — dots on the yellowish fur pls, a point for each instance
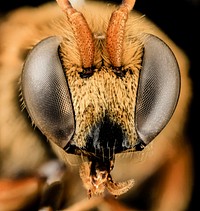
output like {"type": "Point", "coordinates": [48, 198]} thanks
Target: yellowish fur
{"type": "Point", "coordinates": [21, 149]}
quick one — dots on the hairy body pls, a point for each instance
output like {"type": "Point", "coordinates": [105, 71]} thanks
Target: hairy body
{"type": "Point", "coordinates": [163, 169]}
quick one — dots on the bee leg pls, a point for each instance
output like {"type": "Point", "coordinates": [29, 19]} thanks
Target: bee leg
{"type": "Point", "coordinates": [52, 194]}
{"type": "Point", "coordinates": [174, 189]}
{"type": "Point", "coordinates": [43, 189]}
{"type": "Point", "coordinates": [21, 193]}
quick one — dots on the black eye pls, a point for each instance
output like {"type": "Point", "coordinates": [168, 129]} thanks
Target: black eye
{"type": "Point", "coordinates": [159, 87]}
{"type": "Point", "coordinates": [46, 93]}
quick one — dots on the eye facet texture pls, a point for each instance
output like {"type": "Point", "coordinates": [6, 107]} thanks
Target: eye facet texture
{"type": "Point", "coordinates": [159, 88]}
{"type": "Point", "coordinates": [46, 93]}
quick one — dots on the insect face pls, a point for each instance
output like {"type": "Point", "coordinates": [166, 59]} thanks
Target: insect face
{"type": "Point", "coordinates": [105, 103]}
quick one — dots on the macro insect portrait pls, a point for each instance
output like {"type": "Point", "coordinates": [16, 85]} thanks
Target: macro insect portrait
{"type": "Point", "coordinates": [95, 106]}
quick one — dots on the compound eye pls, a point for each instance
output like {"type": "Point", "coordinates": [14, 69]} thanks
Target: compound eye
{"type": "Point", "coordinates": [158, 91]}
{"type": "Point", "coordinates": [46, 93]}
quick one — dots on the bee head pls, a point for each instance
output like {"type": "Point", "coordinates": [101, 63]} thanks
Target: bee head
{"type": "Point", "coordinates": [105, 103]}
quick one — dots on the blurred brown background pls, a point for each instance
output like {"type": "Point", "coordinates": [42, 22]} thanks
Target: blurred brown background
{"type": "Point", "coordinates": [179, 19]}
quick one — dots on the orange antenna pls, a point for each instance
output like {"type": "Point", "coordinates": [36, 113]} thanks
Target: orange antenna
{"type": "Point", "coordinates": [116, 30]}
{"type": "Point", "coordinates": [81, 31]}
